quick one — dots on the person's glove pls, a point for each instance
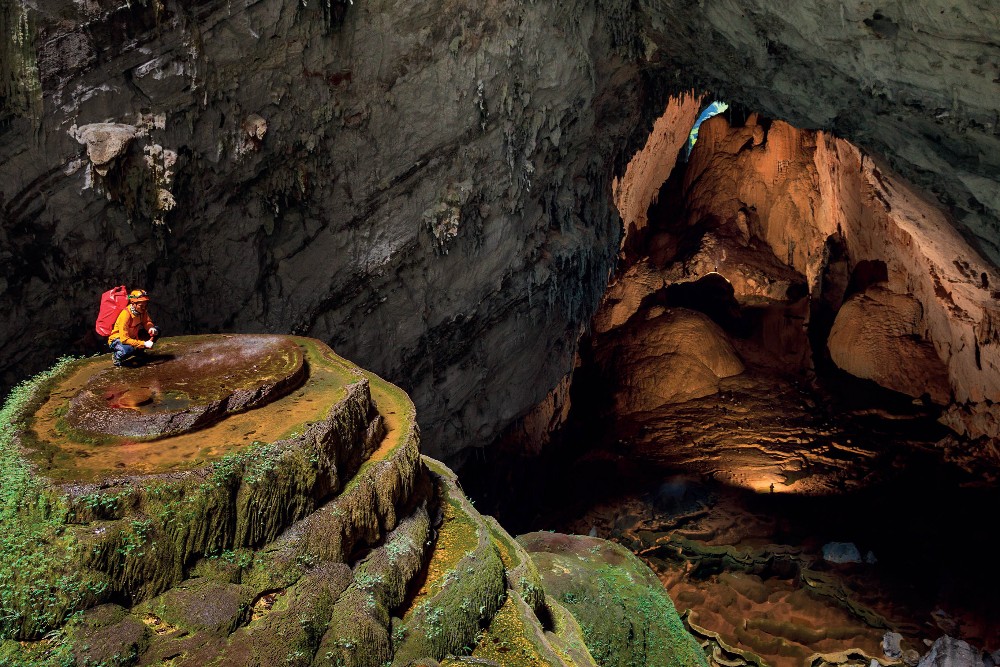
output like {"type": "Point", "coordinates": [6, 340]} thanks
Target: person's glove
{"type": "Point", "coordinates": [148, 344]}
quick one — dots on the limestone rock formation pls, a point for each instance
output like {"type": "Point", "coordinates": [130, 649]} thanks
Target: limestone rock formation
{"type": "Point", "coordinates": [666, 356]}
{"type": "Point", "coordinates": [303, 530]}
{"type": "Point", "coordinates": [877, 336]}
{"type": "Point", "coordinates": [105, 142]}
{"type": "Point", "coordinates": [376, 113]}
{"type": "Point", "coordinates": [188, 383]}
{"type": "Point", "coordinates": [950, 652]}
{"type": "Point", "coordinates": [782, 213]}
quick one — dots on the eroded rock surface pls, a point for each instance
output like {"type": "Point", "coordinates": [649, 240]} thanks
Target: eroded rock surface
{"type": "Point", "coordinates": [783, 214]}
{"type": "Point", "coordinates": [877, 336]}
{"type": "Point", "coordinates": [326, 541]}
{"type": "Point", "coordinates": [187, 383]}
{"type": "Point", "coordinates": [667, 356]}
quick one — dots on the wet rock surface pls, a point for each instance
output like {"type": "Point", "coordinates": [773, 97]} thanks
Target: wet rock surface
{"type": "Point", "coordinates": [187, 383]}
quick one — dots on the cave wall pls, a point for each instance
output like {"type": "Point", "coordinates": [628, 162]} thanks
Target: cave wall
{"type": "Point", "coordinates": [423, 186]}
{"type": "Point", "coordinates": [426, 187]}
{"type": "Point", "coordinates": [805, 189]}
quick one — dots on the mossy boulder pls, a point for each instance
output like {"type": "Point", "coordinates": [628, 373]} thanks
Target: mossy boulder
{"type": "Point", "coordinates": [628, 620]}
{"type": "Point", "coordinates": [463, 586]}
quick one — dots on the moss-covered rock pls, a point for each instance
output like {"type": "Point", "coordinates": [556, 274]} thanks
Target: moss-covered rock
{"type": "Point", "coordinates": [463, 585]}
{"type": "Point", "coordinates": [131, 537]}
{"type": "Point", "coordinates": [304, 538]}
{"type": "Point", "coordinates": [626, 615]}
{"type": "Point", "coordinates": [108, 635]}
{"type": "Point", "coordinates": [359, 631]}
{"type": "Point", "coordinates": [570, 642]}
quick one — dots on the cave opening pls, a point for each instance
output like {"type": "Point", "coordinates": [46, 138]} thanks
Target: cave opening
{"type": "Point", "coordinates": [760, 406]}
{"type": "Point", "coordinates": [713, 109]}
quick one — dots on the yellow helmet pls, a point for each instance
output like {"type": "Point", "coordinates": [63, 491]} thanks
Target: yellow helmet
{"type": "Point", "coordinates": [138, 296]}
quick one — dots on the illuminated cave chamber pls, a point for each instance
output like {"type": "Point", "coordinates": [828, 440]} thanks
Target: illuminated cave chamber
{"type": "Point", "coordinates": [792, 341]}
{"type": "Point", "coordinates": [829, 262]}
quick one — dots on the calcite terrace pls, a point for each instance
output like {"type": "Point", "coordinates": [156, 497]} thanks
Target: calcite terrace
{"type": "Point", "coordinates": [302, 527]}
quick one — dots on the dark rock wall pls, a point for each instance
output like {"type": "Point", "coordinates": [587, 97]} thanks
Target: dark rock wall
{"type": "Point", "coordinates": [426, 186]}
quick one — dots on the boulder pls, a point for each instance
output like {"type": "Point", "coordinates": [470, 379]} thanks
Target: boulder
{"type": "Point", "coordinates": [626, 615]}
{"type": "Point", "coordinates": [890, 645]}
{"type": "Point", "coordinates": [951, 652]}
{"type": "Point", "coordinates": [666, 356]}
{"type": "Point", "coordinates": [841, 552]}
{"type": "Point", "coordinates": [877, 335]}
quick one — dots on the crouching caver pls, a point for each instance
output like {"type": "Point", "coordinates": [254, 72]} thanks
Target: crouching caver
{"type": "Point", "coordinates": [124, 339]}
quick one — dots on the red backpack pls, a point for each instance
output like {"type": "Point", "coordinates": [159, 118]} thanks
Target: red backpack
{"type": "Point", "coordinates": [113, 302]}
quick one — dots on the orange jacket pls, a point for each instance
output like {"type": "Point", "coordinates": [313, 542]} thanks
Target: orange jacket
{"type": "Point", "coordinates": [127, 327]}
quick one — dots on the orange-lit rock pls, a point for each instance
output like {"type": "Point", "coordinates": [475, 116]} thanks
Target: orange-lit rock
{"type": "Point", "coordinates": [877, 336]}
{"type": "Point", "coordinates": [650, 167]}
{"type": "Point", "coordinates": [763, 204]}
{"type": "Point", "coordinates": [764, 180]}
{"type": "Point", "coordinates": [667, 356]}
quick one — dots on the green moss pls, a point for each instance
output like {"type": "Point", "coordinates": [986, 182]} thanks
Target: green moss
{"type": "Point", "coordinates": [628, 620]}
{"type": "Point", "coordinates": [39, 582]}
{"type": "Point", "coordinates": [570, 642]}
{"type": "Point", "coordinates": [521, 573]}
{"type": "Point", "coordinates": [464, 584]}
{"type": "Point", "coordinates": [135, 539]}
{"type": "Point", "coordinates": [361, 617]}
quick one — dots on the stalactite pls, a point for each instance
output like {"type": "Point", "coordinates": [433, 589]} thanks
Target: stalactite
{"type": "Point", "coordinates": [20, 85]}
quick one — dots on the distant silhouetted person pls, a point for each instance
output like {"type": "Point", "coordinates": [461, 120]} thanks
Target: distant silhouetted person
{"type": "Point", "coordinates": [124, 339]}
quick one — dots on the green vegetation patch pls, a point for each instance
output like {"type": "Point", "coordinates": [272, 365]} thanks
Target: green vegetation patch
{"type": "Point", "coordinates": [39, 582]}
{"type": "Point", "coordinates": [628, 620]}
{"type": "Point", "coordinates": [521, 573]}
{"type": "Point", "coordinates": [464, 585]}
{"type": "Point", "coordinates": [569, 643]}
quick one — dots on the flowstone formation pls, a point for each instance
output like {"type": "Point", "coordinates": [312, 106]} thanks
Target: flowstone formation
{"type": "Point", "coordinates": [257, 500]}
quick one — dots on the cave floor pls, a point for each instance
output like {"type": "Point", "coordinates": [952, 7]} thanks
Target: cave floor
{"type": "Point", "coordinates": [731, 499]}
